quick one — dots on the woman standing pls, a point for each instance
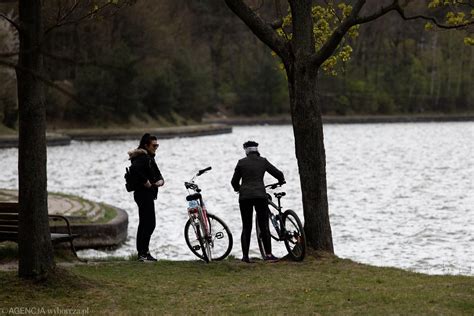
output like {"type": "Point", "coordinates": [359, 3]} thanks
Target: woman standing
{"type": "Point", "coordinates": [252, 194]}
{"type": "Point", "coordinates": [148, 178]}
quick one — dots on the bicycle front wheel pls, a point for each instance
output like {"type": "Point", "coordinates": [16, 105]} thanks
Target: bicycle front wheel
{"type": "Point", "coordinates": [194, 236]}
{"type": "Point", "coordinates": [221, 239]}
{"type": "Point", "coordinates": [273, 235]}
{"type": "Point", "coordinates": [294, 237]}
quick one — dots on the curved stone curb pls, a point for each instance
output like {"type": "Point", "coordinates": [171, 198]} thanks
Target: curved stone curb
{"type": "Point", "coordinates": [104, 235]}
{"type": "Point", "coordinates": [91, 235]}
{"type": "Point", "coordinates": [135, 134]}
{"type": "Point", "coordinates": [8, 141]}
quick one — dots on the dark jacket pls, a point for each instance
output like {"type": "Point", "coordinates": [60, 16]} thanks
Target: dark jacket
{"type": "Point", "coordinates": [144, 169]}
{"type": "Point", "coordinates": [251, 170]}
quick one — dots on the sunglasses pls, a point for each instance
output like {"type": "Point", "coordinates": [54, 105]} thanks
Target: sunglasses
{"type": "Point", "coordinates": [155, 145]}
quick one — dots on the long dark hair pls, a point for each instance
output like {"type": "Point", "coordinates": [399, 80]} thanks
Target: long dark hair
{"type": "Point", "coordinates": [146, 140]}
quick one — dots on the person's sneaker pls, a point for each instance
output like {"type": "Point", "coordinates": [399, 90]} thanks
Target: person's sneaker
{"type": "Point", "coordinates": [149, 257]}
{"type": "Point", "coordinates": [271, 258]}
{"type": "Point", "coordinates": [246, 260]}
{"type": "Point", "coordinates": [146, 258]}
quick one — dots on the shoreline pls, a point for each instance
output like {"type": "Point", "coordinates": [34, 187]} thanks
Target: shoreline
{"type": "Point", "coordinates": [336, 119]}
{"type": "Point", "coordinates": [63, 137]}
{"type": "Point", "coordinates": [217, 126]}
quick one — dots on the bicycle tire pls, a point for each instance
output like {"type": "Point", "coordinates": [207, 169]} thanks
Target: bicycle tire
{"type": "Point", "coordinates": [295, 238]}
{"type": "Point", "coordinates": [198, 238]}
{"type": "Point", "coordinates": [222, 249]}
{"type": "Point", "coordinates": [259, 239]}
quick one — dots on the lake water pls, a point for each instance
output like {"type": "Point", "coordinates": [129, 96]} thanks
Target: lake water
{"type": "Point", "coordinates": [400, 195]}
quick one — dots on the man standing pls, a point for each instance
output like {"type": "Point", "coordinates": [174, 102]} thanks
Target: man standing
{"type": "Point", "coordinates": [148, 178]}
{"type": "Point", "coordinates": [251, 170]}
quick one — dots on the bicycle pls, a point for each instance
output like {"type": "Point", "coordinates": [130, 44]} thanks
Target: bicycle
{"type": "Point", "coordinates": [287, 226]}
{"type": "Point", "coordinates": [210, 238]}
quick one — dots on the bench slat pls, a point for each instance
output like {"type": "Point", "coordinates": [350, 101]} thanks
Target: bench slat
{"type": "Point", "coordinates": [8, 228]}
{"type": "Point", "coordinates": [10, 236]}
{"type": "Point", "coordinates": [9, 216]}
{"type": "Point", "coordinates": [4, 222]}
{"type": "Point", "coordinates": [9, 207]}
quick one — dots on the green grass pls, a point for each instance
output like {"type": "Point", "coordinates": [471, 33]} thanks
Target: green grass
{"type": "Point", "coordinates": [315, 286]}
{"type": "Point", "coordinates": [109, 214]}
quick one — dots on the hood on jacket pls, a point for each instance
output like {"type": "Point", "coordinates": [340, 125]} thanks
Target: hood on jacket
{"type": "Point", "coordinates": [136, 152]}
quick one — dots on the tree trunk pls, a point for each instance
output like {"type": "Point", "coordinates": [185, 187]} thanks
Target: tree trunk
{"type": "Point", "coordinates": [34, 245]}
{"type": "Point", "coordinates": [308, 128]}
{"type": "Point", "coordinates": [310, 153]}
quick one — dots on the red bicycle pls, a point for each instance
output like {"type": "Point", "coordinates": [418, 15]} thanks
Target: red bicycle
{"type": "Point", "coordinates": [206, 235]}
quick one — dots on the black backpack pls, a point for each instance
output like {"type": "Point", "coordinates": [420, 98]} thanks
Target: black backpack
{"type": "Point", "coordinates": [130, 180]}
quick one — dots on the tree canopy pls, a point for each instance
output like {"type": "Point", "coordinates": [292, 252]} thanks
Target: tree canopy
{"type": "Point", "coordinates": [181, 59]}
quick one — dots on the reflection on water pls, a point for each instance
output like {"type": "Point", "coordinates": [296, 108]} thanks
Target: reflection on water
{"type": "Point", "coordinates": [399, 194]}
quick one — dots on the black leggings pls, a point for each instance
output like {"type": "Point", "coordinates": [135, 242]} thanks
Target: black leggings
{"type": "Point", "coordinates": [147, 222]}
{"type": "Point", "coordinates": [246, 211]}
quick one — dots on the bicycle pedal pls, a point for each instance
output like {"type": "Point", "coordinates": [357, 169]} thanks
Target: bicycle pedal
{"type": "Point", "coordinates": [197, 247]}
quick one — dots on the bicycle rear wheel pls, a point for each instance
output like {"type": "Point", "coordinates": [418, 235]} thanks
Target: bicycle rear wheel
{"type": "Point", "coordinates": [194, 236]}
{"type": "Point", "coordinates": [294, 238]}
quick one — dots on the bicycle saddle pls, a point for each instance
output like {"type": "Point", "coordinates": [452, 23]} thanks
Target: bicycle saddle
{"type": "Point", "coordinates": [279, 194]}
{"type": "Point", "coordinates": [194, 196]}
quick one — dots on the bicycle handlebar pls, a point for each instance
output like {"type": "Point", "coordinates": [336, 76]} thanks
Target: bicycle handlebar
{"type": "Point", "coordinates": [202, 171]}
{"type": "Point", "coordinates": [275, 185]}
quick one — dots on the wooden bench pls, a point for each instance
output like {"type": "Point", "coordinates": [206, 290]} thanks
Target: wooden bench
{"type": "Point", "coordinates": [9, 226]}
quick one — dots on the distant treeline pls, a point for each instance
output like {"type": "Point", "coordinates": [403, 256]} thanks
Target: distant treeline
{"type": "Point", "coordinates": [176, 59]}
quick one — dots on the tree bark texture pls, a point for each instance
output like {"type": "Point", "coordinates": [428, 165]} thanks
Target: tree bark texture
{"type": "Point", "coordinates": [34, 245]}
{"type": "Point", "coordinates": [308, 128]}
{"type": "Point", "coordinates": [310, 154]}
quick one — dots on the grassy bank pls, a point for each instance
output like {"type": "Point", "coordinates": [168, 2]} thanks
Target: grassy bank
{"type": "Point", "coordinates": [325, 286]}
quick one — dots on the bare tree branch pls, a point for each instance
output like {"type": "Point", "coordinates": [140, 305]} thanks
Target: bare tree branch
{"type": "Point", "coordinates": [16, 25]}
{"type": "Point", "coordinates": [382, 11]}
{"type": "Point", "coordinates": [70, 11]}
{"type": "Point", "coordinates": [262, 30]}
{"type": "Point", "coordinates": [64, 20]}
{"type": "Point", "coordinates": [432, 20]}
{"type": "Point", "coordinates": [47, 81]}
{"type": "Point", "coordinates": [395, 6]}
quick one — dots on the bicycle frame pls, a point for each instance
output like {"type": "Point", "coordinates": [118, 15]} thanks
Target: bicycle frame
{"type": "Point", "coordinates": [280, 229]}
{"type": "Point", "coordinates": [201, 209]}
{"type": "Point", "coordinates": [201, 217]}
